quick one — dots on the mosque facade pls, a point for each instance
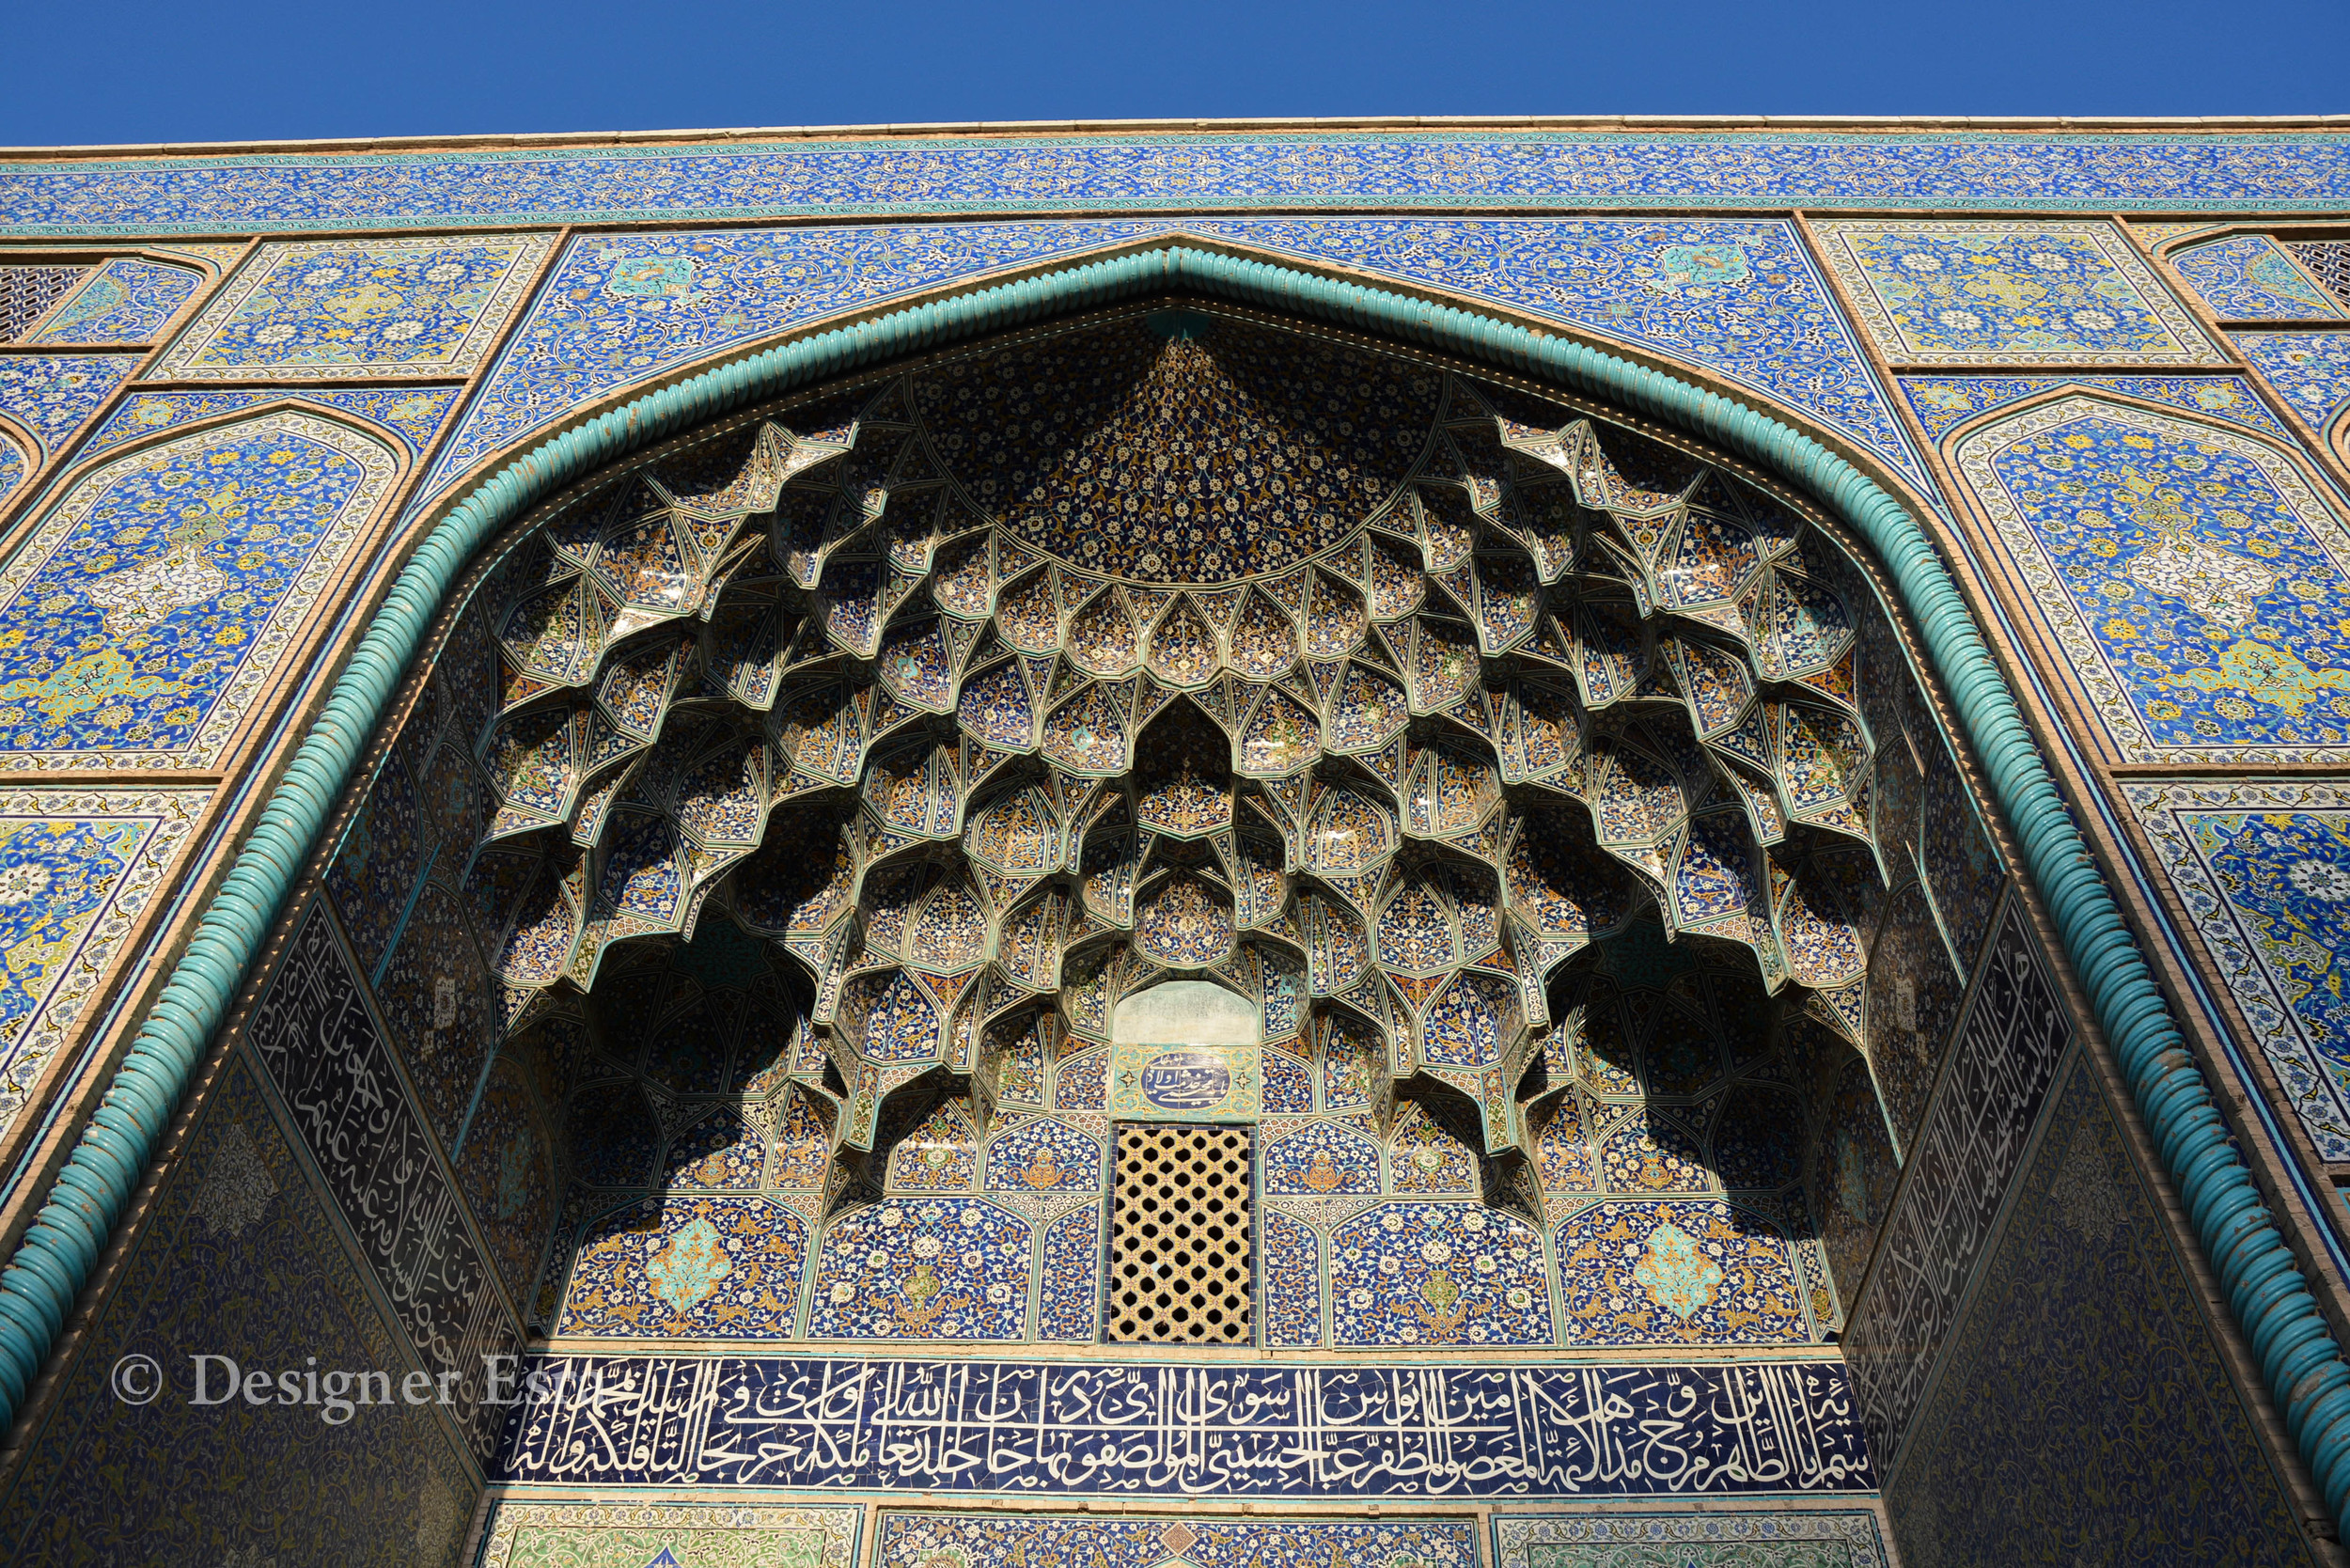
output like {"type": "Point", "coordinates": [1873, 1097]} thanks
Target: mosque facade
{"type": "Point", "coordinates": [1542, 844]}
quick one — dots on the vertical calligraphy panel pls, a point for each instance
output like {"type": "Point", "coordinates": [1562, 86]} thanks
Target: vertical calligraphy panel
{"type": "Point", "coordinates": [1973, 1139]}
{"type": "Point", "coordinates": [325, 1051]}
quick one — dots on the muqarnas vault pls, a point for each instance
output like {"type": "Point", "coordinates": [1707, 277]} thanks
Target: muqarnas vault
{"type": "Point", "coordinates": [1178, 849]}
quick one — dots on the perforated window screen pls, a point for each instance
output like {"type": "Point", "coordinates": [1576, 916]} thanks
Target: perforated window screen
{"type": "Point", "coordinates": [1180, 1246]}
{"type": "Point", "coordinates": [2330, 261]}
{"type": "Point", "coordinates": [26, 292]}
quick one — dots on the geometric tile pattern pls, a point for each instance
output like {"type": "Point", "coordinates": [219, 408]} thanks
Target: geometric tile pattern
{"type": "Point", "coordinates": [411, 414]}
{"type": "Point", "coordinates": [2264, 869]}
{"type": "Point", "coordinates": [2195, 581]}
{"type": "Point", "coordinates": [122, 302]}
{"type": "Point", "coordinates": [2138, 169]}
{"type": "Point", "coordinates": [77, 868]}
{"type": "Point", "coordinates": [1788, 1540]}
{"type": "Point", "coordinates": [632, 1535]}
{"type": "Point", "coordinates": [1332, 1431]}
{"type": "Point", "coordinates": [421, 308]}
{"type": "Point", "coordinates": [2008, 293]}
{"type": "Point", "coordinates": [2249, 278]}
{"type": "Point", "coordinates": [157, 596]}
{"type": "Point", "coordinates": [1942, 403]}
{"type": "Point", "coordinates": [2310, 371]}
{"type": "Point", "coordinates": [1737, 298]}
{"type": "Point", "coordinates": [1155, 764]}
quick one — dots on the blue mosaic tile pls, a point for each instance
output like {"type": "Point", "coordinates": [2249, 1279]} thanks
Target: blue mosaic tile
{"type": "Point", "coordinates": [2310, 371]}
{"type": "Point", "coordinates": [1942, 403]}
{"type": "Point", "coordinates": [945, 1268]}
{"type": "Point", "coordinates": [2264, 869]}
{"type": "Point", "coordinates": [2192, 577]}
{"type": "Point", "coordinates": [2009, 292]}
{"type": "Point", "coordinates": [1637, 1272]}
{"type": "Point", "coordinates": [1207, 1430]}
{"type": "Point", "coordinates": [2249, 278]}
{"type": "Point", "coordinates": [413, 415]}
{"type": "Point", "coordinates": [1435, 1273]}
{"type": "Point", "coordinates": [240, 1255]}
{"type": "Point", "coordinates": [154, 598]}
{"type": "Point", "coordinates": [689, 1265]}
{"type": "Point", "coordinates": [77, 869]}
{"type": "Point", "coordinates": [49, 397]}
{"type": "Point", "coordinates": [1754, 310]}
{"type": "Point", "coordinates": [2085, 1336]}
{"type": "Point", "coordinates": [2271, 172]}
{"type": "Point", "coordinates": [308, 309]}
{"type": "Point", "coordinates": [125, 301]}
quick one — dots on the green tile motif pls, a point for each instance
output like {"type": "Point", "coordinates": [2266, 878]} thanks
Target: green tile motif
{"type": "Point", "coordinates": [1790, 1540]}
{"type": "Point", "coordinates": [622, 1535]}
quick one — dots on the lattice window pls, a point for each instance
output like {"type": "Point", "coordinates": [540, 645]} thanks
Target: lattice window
{"type": "Point", "coordinates": [26, 292]}
{"type": "Point", "coordinates": [2330, 261]}
{"type": "Point", "coordinates": [1180, 1241]}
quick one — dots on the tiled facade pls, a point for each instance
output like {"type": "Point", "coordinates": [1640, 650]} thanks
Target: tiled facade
{"type": "Point", "coordinates": [1672, 1137]}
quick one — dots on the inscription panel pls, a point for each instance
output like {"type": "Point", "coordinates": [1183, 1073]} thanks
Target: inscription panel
{"type": "Point", "coordinates": [1198, 1431]}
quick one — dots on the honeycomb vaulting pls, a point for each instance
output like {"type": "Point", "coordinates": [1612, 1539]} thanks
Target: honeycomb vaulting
{"type": "Point", "coordinates": [1180, 643]}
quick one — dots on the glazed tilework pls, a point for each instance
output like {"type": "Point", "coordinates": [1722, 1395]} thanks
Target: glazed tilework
{"type": "Point", "coordinates": [1780, 1539]}
{"type": "Point", "coordinates": [239, 1258]}
{"type": "Point", "coordinates": [2249, 278]}
{"type": "Point", "coordinates": [2006, 1056]}
{"type": "Point", "coordinates": [157, 596]}
{"type": "Point", "coordinates": [2085, 1322]}
{"type": "Point", "coordinates": [2310, 371]}
{"type": "Point", "coordinates": [2250, 172]}
{"type": "Point", "coordinates": [1737, 298]}
{"type": "Point", "coordinates": [1005, 1541]}
{"type": "Point", "coordinates": [49, 397]}
{"type": "Point", "coordinates": [687, 1535]}
{"type": "Point", "coordinates": [1942, 403]}
{"type": "Point", "coordinates": [2192, 576]}
{"type": "Point", "coordinates": [413, 415]}
{"type": "Point", "coordinates": [77, 869]}
{"type": "Point", "coordinates": [1690, 1272]}
{"type": "Point", "coordinates": [125, 301]}
{"type": "Point", "coordinates": [317, 1039]}
{"type": "Point", "coordinates": [312, 310]}
{"type": "Point", "coordinates": [1330, 1430]}
{"type": "Point", "coordinates": [1989, 292]}
{"type": "Point", "coordinates": [2264, 869]}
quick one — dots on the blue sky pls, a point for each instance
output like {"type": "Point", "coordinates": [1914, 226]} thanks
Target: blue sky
{"type": "Point", "coordinates": [137, 71]}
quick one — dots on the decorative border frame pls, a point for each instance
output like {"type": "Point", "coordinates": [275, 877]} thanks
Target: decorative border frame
{"type": "Point", "coordinates": [177, 362]}
{"type": "Point", "coordinates": [173, 814]}
{"type": "Point", "coordinates": [2315, 1096]}
{"type": "Point", "coordinates": [1516, 1534]}
{"type": "Point", "coordinates": [2052, 603]}
{"type": "Point", "coordinates": [840, 1524]}
{"type": "Point", "coordinates": [236, 701]}
{"type": "Point", "coordinates": [2196, 345]}
{"type": "Point", "coordinates": [2270, 171]}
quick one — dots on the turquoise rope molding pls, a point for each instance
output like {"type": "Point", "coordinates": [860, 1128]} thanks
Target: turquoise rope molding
{"type": "Point", "coordinates": [2272, 1304]}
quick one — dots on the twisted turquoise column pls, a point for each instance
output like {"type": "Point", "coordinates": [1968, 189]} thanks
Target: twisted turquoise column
{"type": "Point", "coordinates": [2272, 1304]}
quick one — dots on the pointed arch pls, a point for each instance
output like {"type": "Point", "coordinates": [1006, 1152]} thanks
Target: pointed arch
{"type": "Point", "coordinates": [2302, 1367]}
